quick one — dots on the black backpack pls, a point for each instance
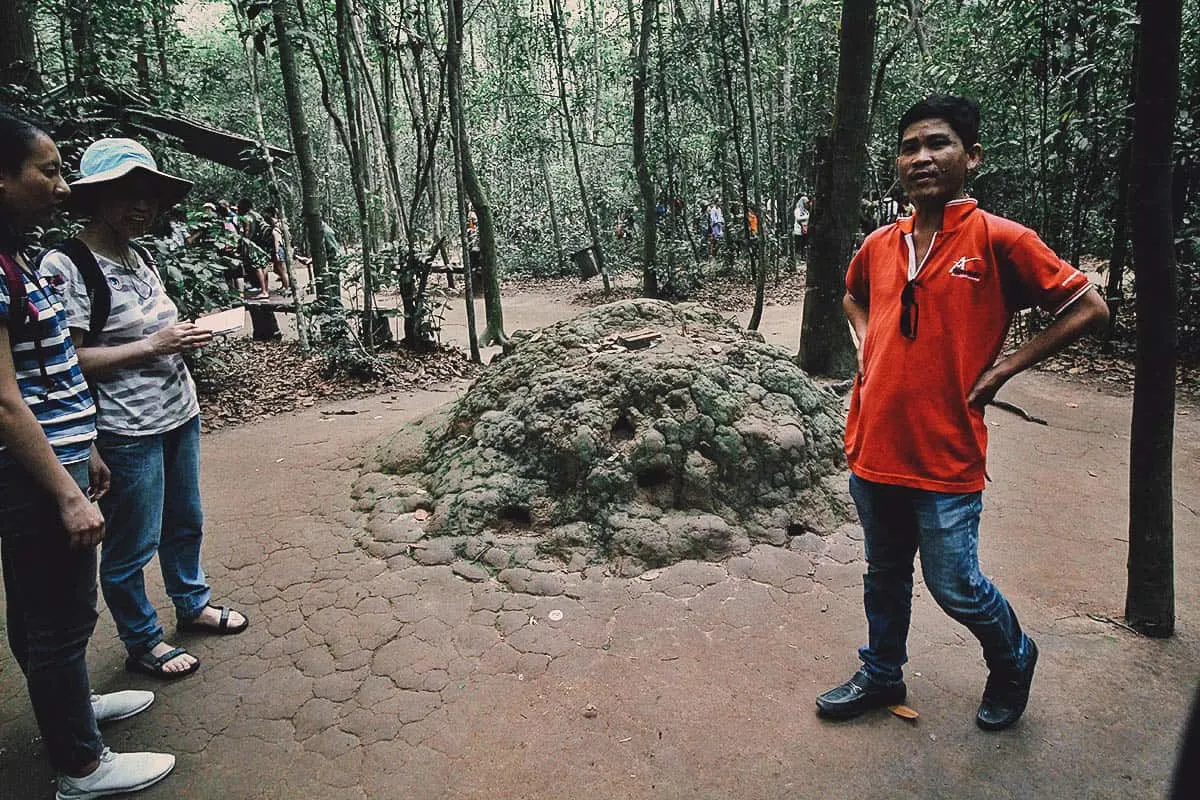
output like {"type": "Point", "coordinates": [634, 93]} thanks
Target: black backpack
{"type": "Point", "coordinates": [98, 292]}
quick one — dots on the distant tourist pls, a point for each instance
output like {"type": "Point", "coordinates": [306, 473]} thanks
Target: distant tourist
{"type": "Point", "coordinates": [149, 416]}
{"type": "Point", "coordinates": [273, 237]}
{"type": "Point", "coordinates": [254, 245]}
{"type": "Point", "coordinates": [50, 473]}
{"type": "Point", "coordinates": [931, 320]}
{"type": "Point", "coordinates": [800, 216]}
{"type": "Point", "coordinates": [716, 227]}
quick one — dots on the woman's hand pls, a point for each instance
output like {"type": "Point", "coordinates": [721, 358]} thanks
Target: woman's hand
{"type": "Point", "coordinates": [82, 521]}
{"type": "Point", "coordinates": [99, 476]}
{"type": "Point", "coordinates": [178, 338]}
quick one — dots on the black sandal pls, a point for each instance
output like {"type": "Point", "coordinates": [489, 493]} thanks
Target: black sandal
{"type": "Point", "coordinates": [151, 665]}
{"type": "Point", "coordinates": [222, 628]}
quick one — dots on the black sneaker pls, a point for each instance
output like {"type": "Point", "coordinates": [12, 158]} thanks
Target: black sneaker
{"type": "Point", "coordinates": [859, 694]}
{"type": "Point", "coordinates": [1006, 695]}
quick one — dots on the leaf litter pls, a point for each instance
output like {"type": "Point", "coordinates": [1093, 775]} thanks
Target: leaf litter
{"type": "Point", "coordinates": [241, 380]}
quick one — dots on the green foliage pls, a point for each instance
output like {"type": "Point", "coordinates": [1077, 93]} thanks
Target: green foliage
{"type": "Point", "coordinates": [1052, 77]}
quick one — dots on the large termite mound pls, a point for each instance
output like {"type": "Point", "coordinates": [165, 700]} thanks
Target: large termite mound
{"type": "Point", "coordinates": [638, 430]}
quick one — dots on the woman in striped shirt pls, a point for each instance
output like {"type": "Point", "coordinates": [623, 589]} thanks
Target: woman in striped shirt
{"type": "Point", "coordinates": [49, 476]}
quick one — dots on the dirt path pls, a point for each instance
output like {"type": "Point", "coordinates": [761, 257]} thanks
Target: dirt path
{"type": "Point", "coordinates": [364, 678]}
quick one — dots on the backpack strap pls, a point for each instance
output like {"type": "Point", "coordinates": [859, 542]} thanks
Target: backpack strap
{"type": "Point", "coordinates": [18, 316]}
{"type": "Point", "coordinates": [99, 295]}
{"type": "Point", "coordinates": [14, 276]}
{"type": "Point", "coordinates": [146, 256]}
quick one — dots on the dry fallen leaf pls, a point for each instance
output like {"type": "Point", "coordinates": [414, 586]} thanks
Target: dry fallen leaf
{"type": "Point", "coordinates": [904, 712]}
{"type": "Point", "coordinates": [590, 711]}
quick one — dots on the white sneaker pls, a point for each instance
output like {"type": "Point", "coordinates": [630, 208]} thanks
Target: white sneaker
{"type": "Point", "coordinates": [117, 773]}
{"type": "Point", "coordinates": [120, 705]}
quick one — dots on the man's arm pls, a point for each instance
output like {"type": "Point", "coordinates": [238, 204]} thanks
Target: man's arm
{"type": "Point", "coordinates": [1087, 314]}
{"type": "Point", "coordinates": [858, 314]}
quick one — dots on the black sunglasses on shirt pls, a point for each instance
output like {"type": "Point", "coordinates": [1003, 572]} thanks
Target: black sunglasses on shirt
{"type": "Point", "coordinates": [909, 313]}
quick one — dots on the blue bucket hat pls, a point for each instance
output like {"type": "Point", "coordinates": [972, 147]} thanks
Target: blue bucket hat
{"type": "Point", "coordinates": [109, 160]}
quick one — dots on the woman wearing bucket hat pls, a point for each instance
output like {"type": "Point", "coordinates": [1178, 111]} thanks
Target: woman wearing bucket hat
{"type": "Point", "coordinates": [149, 417]}
{"type": "Point", "coordinates": [49, 473]}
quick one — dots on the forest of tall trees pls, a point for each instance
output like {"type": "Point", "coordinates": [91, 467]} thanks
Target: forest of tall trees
{"type": "Point", "coordinates": [549, 122]}
{"type": "Point", "coordinates": [571, 114]}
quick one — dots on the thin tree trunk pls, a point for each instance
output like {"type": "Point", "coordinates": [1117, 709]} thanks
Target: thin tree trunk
{"type": "Point", "coordinates": [358, 157]}
{"type": "Point", "coordinates": [588, 214]}
{"type": "Point", "coordinates": [383, 122]}
{"type": "Point", "coordinates": [1150, 596]}
{"type": "Point", "coordinates": [83, 44]}
{"type": "Point", "coordinates": [757, 266]}
{"type": "Point", "coordinates": [309, 197]}
{"type": "Point", "coordinates": [18, 46]}
{"type": "Point", "coordinates": [1114, 292]}
{"type": "Point", "coordinates": [736, 130]}
{"type": "Point", "coordinates": [493, 311]}
{"type": "Point", "coordinates": [825, 344]}
{"type": "Point", "coordinates": [458, 136]}
{"type": "Point", "coordinates": [272, 175]}
{"type": "Point", "coordinates": [160, 48]}
{"type": "Point", "coordinates": [559, 253]}
{"type": "Point", "coordinates": [141, 51]}
{"type": "Point", "coordinates": [640, 165]}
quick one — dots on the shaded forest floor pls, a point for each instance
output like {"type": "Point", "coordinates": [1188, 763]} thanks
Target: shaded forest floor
{"type": "Point", "coordinates": [242, 381]}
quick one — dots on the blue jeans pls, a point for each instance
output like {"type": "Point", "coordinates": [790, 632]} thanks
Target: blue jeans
{"type": "Point", "coordinates": [51, 598]}
{"type": "Point", "coordinates": [897, 522]}
{"type": "Point", "coordinates": [153, 505]}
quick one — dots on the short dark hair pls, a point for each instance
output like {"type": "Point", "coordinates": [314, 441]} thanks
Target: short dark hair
{"type": "Point", "coordinates": [17, 135]}
{"type": "Point", "coordinates": [961, 113]}
{"type": "Point", "coordinates": [244, 205]}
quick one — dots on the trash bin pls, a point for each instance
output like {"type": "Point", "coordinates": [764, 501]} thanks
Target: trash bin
{"type": "Point", "coordinates": [263, 323]}
{"type": "Point", "coordinates": [586, 262]}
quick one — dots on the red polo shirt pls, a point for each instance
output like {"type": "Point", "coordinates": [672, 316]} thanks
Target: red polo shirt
{"type": "Point", "coordinates": [909, 421]}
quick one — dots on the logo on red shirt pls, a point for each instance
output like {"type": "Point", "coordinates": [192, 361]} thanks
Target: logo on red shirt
{"type": "Point", "coordinates": [960, 270]}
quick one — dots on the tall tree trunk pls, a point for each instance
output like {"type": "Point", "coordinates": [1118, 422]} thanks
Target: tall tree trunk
{"type": "Point", "coordinates": [1114, 292]}
{"type": "Point", "coordinates": [736, 129]}
{"type": "Point", "coordinates": [309, 197]}
{"type": "Point", "coordinates": [384, 125]}
{"type": "Point", "coordinates": [493, 311]}
{"type": "Point", "coordinates": [640, 165]}
{"type": "Point", "coordinates": [584, 198]}
{"type": "Point", "coordinates": [18, 46]}
{"type": "Point", "coordinates": [559, 253]}
{"type": "Point", "coordinates": [157, 14]}
{"type": "Point", "coordinates": [458, 138]}
{"type": "Point", "coordinates": [251, 56]}
{"type": "Point", "coordinates": [141, 50]}
{"type": "Point", "coordinates": [329, 289]}
{"type": "Point", "coordinates": [752, 245]}
{"type": "Point", "coordinates": [83, 44]}
{"type": "Point", "coordinates": [1150, 596]}
{"type": "Point", "coordinates": [356, 135]}
{"type": "Point", "coordinates": [825, 344]}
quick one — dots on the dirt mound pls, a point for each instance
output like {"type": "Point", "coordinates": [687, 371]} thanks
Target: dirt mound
{"type": "Point", "coordinates": [638, 430]}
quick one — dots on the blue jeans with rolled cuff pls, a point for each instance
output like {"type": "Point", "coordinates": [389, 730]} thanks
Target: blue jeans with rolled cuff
{"type": "Point", "coordinates": [50, 591]}
{"type": "Point", "coordinates": [897, 523]}
{"type": "Point", "coordinates": [153, 506]}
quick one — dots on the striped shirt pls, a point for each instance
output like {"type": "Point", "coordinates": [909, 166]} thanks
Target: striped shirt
{"type": "Point", "coordinates": [153, 396]}
{"type": "Point", "coordinates": [59, 399]}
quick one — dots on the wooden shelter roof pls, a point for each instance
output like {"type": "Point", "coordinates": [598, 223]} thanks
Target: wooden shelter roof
{"type": "Point", "coordinates": [140, 115]}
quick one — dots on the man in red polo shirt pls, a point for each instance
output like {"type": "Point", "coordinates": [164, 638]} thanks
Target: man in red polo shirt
{"type": "Point", "coordinates": [930, 298]}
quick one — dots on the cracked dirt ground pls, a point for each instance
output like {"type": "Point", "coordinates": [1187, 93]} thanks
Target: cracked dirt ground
{"type": "Point", "coordinates": [369, 678]}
